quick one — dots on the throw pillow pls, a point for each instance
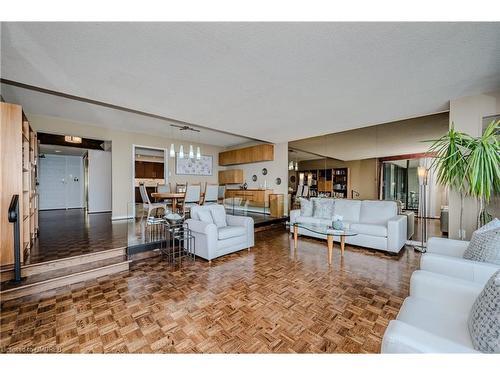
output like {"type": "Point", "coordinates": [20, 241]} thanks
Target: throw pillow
{"type": "Point", "coordinates": [484, 246]}
{"type": "Point", "coordinates": [205, 216]}
{"type": "Point", "coordinates": [484, 318]}
{"type": "Point", "coordinates": [306, 207]}
{"type": "Point", "coordinates": [219, 215]}
{"type": "Point", "coordinates": [493, 224]}
{"type": "Point", "coordinates": [323, 208]}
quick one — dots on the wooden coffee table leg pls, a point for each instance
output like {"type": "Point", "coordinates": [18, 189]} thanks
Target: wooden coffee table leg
{"type": "Point", "coordinates": [342, 244]}
{"type": "Point", "coordinates": [330, 248]}
{"type": "Point", "coordinates": [295, 236]}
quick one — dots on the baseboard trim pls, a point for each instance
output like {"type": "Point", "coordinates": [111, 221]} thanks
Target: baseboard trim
{"type": "Point", "coordinates": [114, 218]}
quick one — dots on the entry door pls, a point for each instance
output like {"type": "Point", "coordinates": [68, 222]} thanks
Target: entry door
{"type": "Point", "coordinates": [61, 182]}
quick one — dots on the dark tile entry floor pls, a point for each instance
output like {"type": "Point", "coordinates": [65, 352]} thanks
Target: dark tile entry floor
{"type": "Point", "coordinates": [66, 233]}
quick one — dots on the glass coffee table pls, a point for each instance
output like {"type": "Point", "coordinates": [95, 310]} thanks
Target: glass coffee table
{"type": "Point", "coordinates": [327, 231]}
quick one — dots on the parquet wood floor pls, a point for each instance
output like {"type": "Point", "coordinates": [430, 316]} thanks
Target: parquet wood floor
{"type": "Point", "coordinates": [267, 300]}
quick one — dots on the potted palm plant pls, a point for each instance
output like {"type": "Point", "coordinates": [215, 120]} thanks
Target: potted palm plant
{"type": "Point", "coordinates": [469, 166]}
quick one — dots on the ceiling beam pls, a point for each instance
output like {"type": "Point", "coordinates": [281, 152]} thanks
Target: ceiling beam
{"type": "Point", "coordinates": [119, 108]}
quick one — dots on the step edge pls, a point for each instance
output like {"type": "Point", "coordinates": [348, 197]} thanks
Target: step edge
{"type": "Point", "coordinates": [33, 265]}
{"type": "Point", "coordinates": [38, 283]}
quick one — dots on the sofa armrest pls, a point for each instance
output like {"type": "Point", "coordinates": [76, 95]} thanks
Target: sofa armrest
{"type": "Point", "coordinates": [446, 246]}
{"type": "Point", "coordinates": [396, 233]}
{"type": "Point", "coordinates": [201, 227]}
{"type": "Point", "coordinates": [294, 214]}
{"type": "Point", "coordinates": [464, 269]}
{"type": "Point", "coordinates": [205, 235]}
{"type": "Point", "coordinates": [400, 337]}
{"type": "Point", "coordinates": [243, 221]}
{"type": "Point", "coordinates": [458, 295]}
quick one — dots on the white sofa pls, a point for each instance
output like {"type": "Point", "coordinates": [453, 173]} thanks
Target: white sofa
{"type": "Point", "coordinates": [433, 319]}
{"type": "Point", "coordinates": [212, 241]}
{"type": "Point", "coordinates": [377, 223]}
{"type": "Point", "coordinates": [445, 256]}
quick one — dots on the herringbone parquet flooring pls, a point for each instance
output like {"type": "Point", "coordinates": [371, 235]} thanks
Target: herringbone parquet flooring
{"type": "Point", "coordinates": [268, 300]}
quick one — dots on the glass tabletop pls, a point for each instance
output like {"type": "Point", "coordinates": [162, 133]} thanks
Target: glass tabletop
{"type": "Point", "coordinates": [325, 229]}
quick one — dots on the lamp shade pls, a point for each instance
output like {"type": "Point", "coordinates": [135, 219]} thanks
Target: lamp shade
{"type": "Point", "coordinates": [172, 150]}
{"type": "Point", "coordinates": [422, 175]}
{"type": "Point", "coordinates": [181, 152]}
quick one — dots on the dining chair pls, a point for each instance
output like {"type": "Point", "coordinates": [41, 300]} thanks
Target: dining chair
{"type": "Point", "coordinates": [163, 188]}
{"type": "Point", "coordinates": [192, 197]}
{"type": "Point", "coordinates": [146, 203]}
{"type": "Point", "coordinates": [222, 193]}
{"type": "Point", "coordinates": [211, 194]}
{"type": "Point", "coordinates": [166, 188]}
{"type": "Point", "coordinates": [180, 188]}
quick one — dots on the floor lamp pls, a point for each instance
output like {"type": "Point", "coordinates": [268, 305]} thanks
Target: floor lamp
{"type": "Point", "coordinates": [423, 174]}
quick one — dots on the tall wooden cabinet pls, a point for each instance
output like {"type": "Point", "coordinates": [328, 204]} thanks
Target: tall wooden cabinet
{"type": "Point", "coordinates": [18, 175]}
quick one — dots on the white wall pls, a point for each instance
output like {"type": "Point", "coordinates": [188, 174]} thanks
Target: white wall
{"type": "Point", "coordinates": [122, 164]}
{"type": "Point", "coordinates": [99, 184]}
{"type": "Point", "coordinates": [467, 114]}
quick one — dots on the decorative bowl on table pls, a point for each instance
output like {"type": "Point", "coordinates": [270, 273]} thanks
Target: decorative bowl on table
{"type": "Point", "coordinates": [173, 219]}
{"type": "Point", "coordinates": [337, 222]}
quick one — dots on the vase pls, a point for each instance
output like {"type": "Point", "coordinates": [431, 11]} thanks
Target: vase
{"type": "Point", "coordinates": [338, 225]}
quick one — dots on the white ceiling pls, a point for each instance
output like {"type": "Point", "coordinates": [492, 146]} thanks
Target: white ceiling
{"type": "Point", "coordinates": [299, 155]}
{"type": "Point", "coordinates": [36, 103]}
{"type": "Point", "coordinates": [271, 81]}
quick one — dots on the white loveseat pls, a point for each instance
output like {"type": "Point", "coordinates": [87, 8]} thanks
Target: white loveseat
{"type": "Point", "coordinates": [377, 223]}
{"type": "Point", "coordinates": [433, 319]}
{"type": "Point", "coordinates": [445, 256]}
{"type": "Point", "coordinates": [212, 239]}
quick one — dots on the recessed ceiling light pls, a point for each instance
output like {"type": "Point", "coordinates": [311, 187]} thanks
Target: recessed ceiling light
{"type": "Point", "coordinates": [72, 139]}
{"type": "Point", "coordinates": [57, 151]}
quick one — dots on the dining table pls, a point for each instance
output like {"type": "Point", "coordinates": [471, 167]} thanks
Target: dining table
{"type": "Point", "coordinates": [174, 197]}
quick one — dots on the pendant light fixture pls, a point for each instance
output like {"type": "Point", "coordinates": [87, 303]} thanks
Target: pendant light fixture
{"type": "Point", "coordinates": [181, 147]}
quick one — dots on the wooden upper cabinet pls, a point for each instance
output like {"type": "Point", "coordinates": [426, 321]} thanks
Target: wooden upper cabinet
{"type": "Point", "coordinates": [247, 155]}
{"type": "Point", "coordinates": [231, 176]}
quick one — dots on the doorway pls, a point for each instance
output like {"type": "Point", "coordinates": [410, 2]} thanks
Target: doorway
{"type": "Point", "coordinates": [61, 179]}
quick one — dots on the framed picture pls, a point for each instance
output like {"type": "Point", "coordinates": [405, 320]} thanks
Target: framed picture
{"type": "Point", "coordinates": [194, 167]}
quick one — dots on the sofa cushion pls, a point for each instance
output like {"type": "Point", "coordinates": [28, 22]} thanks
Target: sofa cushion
{"type": "Point", "coordinates": [205, 216]}
{"type": "Point", "coordinates": [306, 207]}
{"type": "Point", "coordinates": [436, 319]}
{"type": "Point", "coordinates": [219, 215]}
{"type": "Point", "coordinates": [377, 212]}
{"type": "Point", "coordinates": [484, 319]}
{"type": "Point", "coordinates": [347, 208]}
{"type": "Point", "coordinates": [484, 246]}
{"type": "Point", "coordinates": [312, 220]}
{"type": "Point", "coordinates": [369, 229]}
{"type": "Point", "coordinates": [323, 208]}
{"type": "Point", "coordinates": [230, 232]}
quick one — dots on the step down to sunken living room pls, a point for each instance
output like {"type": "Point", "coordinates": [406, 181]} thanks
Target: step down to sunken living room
{"type": "Point", "coordinates": [41, 277]}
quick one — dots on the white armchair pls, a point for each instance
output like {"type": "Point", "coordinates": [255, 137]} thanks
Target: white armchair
{"type": "Point", "coordinates": [434, 318]}
{"type": "Point", "coordinates": [444, 256]}
{"type": "Point", "coordinates": [211, 240]}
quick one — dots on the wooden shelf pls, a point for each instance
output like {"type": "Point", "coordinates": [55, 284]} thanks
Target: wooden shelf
{"type": "Point", "coordinates": [19, 171]}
